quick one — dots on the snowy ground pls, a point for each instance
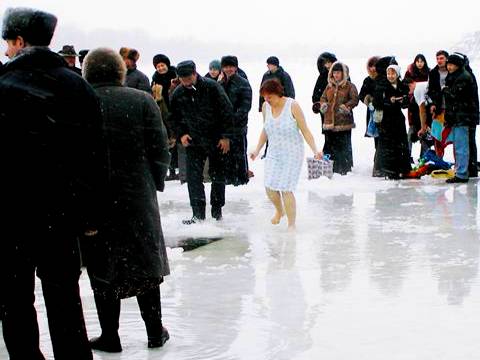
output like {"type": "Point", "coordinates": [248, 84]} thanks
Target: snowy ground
{"type": "Point", "coordinates": [377, 269]}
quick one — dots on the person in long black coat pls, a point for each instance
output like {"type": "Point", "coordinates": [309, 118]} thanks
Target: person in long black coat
{"type": "Point", "coordinates": [128, 256]}
{"type": "Point", "coordinates": [52, 162]}
{"type": "Point", "coordinates": [203, 117]}
{"type": "Point", "coordinates": [240, 94]}
{"type": "Point", "coordinates": [393, 155]}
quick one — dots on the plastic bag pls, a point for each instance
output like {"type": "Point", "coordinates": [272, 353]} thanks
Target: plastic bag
{"type": "Point", "coordinates": [318, 168]}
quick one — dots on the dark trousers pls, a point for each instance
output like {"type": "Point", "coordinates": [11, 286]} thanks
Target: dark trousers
{"type": "Point", "coordinates": [108, 309]}
{"type": "Point", "coordinates": [338, 144]}
{"type": "Point", "coordinates": [59, 274]}
{"type": "Point", "coordinates": [196, 157]}
{"type": "Point", "coordinates": [472, 164]}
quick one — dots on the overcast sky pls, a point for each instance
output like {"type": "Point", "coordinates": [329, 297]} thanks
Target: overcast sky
{"type": "Point", "coordinates": [252, 26]}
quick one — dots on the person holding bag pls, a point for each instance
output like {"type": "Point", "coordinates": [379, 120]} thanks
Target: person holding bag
{"type": "Point", "coordinates": [283, 118]}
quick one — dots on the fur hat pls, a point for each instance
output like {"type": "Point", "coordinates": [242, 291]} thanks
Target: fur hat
{"type": "Point", "coordinates": [229, 60]}
{"type": "Point", "coordinates": [456, 59]}
{"type": "Point", "coordinates": [133, 55]}
{"type": "Point", "coordinates": [396, 68]}
{"type": "Point", "coordinates": [104, 65]}
{"type": "Point", "coordinates": [186, 68]}
{"type": "Point", "coordinates": [35, 26]}
{"type": "Point", "coordinates": [68, 50]}
{"type": "Point", "coordinates": [273, 60]}
{"type": "Point", "coordinates": [160, 58]}
{"type": "Point", "coordinates": [214, 64]}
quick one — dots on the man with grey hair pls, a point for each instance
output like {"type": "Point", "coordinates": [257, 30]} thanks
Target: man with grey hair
{"type": "Point", "coordinates": [52, 159]}
{"type": "Point", "coordinates": [129, 257]}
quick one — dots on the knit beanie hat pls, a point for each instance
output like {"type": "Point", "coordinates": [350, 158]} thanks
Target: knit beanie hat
{"type": "Point", "coordinates": [214, 64]}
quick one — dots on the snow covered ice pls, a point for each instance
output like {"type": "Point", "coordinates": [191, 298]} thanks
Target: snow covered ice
{"type": "Point", "coordinates": [376, 270]}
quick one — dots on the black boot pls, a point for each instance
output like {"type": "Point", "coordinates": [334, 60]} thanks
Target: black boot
{"type": "Point", "coordinates": [217, 212]}
{"type": "Point", "coordinates": [151, 310]}
{"type": "Point", "coordinates": [108, 343]}
{"type": "Point", "coordinates": [108, 310]}
{"type": "Point", "coordinates": [160, 340]}
{"type": "Point", "coordinates": [198, 216]}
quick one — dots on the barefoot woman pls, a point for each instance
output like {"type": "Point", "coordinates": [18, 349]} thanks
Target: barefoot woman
{"type": "Point", "coordinates": [283, 118]}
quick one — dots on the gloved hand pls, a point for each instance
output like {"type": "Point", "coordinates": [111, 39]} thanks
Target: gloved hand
{"type": "Point", "coordinates": [316, 108]}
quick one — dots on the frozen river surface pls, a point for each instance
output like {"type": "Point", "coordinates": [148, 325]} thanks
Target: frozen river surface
{"type": "Point", "coordinates": [377, 270]}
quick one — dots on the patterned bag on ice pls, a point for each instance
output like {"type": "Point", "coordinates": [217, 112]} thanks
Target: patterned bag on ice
{"type": "Point", "coordinates": [317, 168]}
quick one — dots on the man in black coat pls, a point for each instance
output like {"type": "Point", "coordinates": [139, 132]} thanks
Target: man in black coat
{"type": "Point", "coordinates": [52, 159]}
{"type": "Point", "coordinates": [461, 112]}
{"type": "Point", "coordinates": [202, 115]}
{"type": "Point", "coordinates": [240, 94]}
{"type": "Point", "coordinates": [275, 71]}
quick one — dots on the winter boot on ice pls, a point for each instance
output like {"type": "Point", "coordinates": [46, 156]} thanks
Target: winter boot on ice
{"type": "Point", "coordinates": [108, 310]}
{"type": "Point", "coordinates": [107, 343]}
{"type": "Point", "coordinates": [155, 341]}
{"type": "Point", "coordinates": [217, 212]}
{"type": "Point", "coordinates": [198, 216]}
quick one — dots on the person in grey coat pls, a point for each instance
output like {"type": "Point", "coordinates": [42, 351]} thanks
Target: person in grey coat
{"type": "Point", "coordinates": [128, 257]}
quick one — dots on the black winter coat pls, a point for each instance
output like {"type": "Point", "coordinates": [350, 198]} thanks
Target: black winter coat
{"type": "Point", "coordinates": [320, 85]}
{"type": "Point", "coordinates": [392, 153]}
{"type": "Point", "coordinates": [204, 112]}
{"type": "Point", "coordinates": [460, 99]}
{"type": "Point", "coordinates": [240, 94]}
{"type": "Point", "coordinates": [52, 155]}
{"type": "Point", "coordinates": [434, 88]}
{"type": "Point", "coordinates": [128, 255]}
{"type": "Point", "coordinates": [368, 88]}
{"type": "Point", "coordinates": [165, 80]}
{"type": "Point", "coordinates": [137, 80]}
{"type": "Point", "coordinates": [285, 80]}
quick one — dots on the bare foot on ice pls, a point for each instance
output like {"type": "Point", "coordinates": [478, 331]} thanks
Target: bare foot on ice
{"type": "Point", "coordinates": [276, 218]}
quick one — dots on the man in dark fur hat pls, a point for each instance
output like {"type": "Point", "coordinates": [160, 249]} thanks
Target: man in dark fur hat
{"type": "Point", "coordinates": [52, 166]}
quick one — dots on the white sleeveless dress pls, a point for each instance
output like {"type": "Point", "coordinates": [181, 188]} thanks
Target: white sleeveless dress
{"type": "Point", "coordinates": [285, 154]}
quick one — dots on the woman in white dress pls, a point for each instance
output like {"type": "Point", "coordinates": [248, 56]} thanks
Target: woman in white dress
{"type": "Point", "coordinates": [284, 125]}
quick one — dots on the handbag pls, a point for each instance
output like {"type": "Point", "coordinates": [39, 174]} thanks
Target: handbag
{"type": "Point", "coordinates": [372, 129]}
{"type": "Point", "coordinates": [318, 168]}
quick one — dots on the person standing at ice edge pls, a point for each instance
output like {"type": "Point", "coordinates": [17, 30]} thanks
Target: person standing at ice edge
{"type": "Point", "coordinates": [128, 257]}
{"type": "Point", "coordinates": [202, 116]}
{"type": "Point", "coordinates": [337, 102]}
{"type": "Point", "coordinates": [389, 99]}
{"type": "Point", "coordinates": [417, 71]}
{"type": "Point", "coordinates": [135, 78]}
{"type": "Point", "coordinates": [240, 94]}
{"type": "Point", "coordinates": [52, 136]}
{"type": "Point", "coordinates": [460, 108]}
{"type": "Point", "coordinates": [161, 83]}
{"type": "Point", "coordinates": [275, 71]}
{"type": "Point", "coordinates": [283, 118]}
